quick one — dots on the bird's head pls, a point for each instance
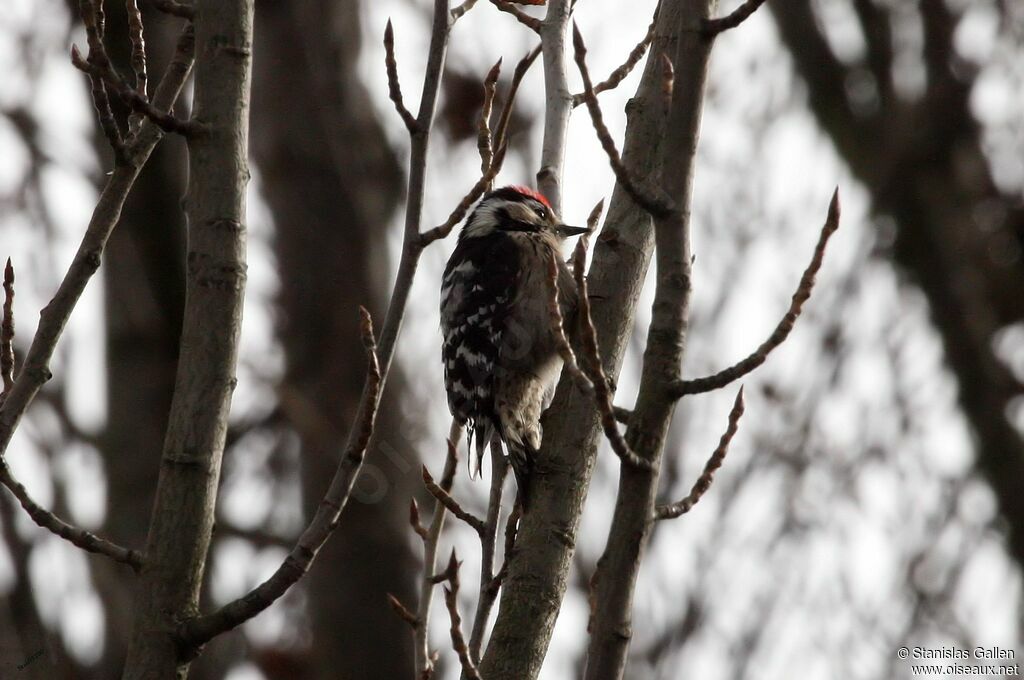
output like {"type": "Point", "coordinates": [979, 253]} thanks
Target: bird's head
{"type": "Point", "coordinates": [516, 208]}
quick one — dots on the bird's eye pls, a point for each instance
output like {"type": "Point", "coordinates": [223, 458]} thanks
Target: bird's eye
{"type": "Point", "coordinates": [542, 212]}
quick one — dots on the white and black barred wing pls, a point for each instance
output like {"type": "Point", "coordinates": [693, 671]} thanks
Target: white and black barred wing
{"type": "Point", "coordinates": [478, 286]}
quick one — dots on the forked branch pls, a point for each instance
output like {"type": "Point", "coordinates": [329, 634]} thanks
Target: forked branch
{"type": "Point", "coordinates": [451, 599]}
{"type": "Point", "coordinates": [139, 103]}
{"type": "Point", "coordinates": [54, 317]}
{"type": "Point", "coordinates": [782, 329]}
{"type": "Point", "coordinates": [199, 630]}
{"type": "Point", "coordinates": [421, 637]}
{"type": "Point", "coordinates": [44, 518]}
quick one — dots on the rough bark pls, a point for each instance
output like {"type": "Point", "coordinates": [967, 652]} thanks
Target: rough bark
{"type": "Point", "coordinates": [923, 163]}
{"type": "Point", "coordinates": [183, 516]}
{"type": "Point", "coordinates": [539, 572]}
{"type": "Point", "coordinates": [332, 184]}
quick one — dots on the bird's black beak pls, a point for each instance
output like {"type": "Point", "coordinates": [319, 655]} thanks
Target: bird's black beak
{"type": "Point", "coordinates": [565, 231]}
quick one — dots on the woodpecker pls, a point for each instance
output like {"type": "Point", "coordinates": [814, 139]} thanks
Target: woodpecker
{"type": "Point", "coordinates": [501, 361]}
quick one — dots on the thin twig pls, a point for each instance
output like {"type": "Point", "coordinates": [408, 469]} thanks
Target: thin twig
{"type": "Point", "coordinates": [421, 636]}
{"type": "Point", "coordinates": [703, 482]}
{"type": "Point", "coordinates": [451, 599]}
{"type": "Point", "coordinates": [712, 27]}
{"type": "Point", "coordinates": [784, 327]}
{"type": "Point", "coordinates": [619, 74]}
{"type": "Point", "coordinates": [558, 325]}
{"type": "Point", "coordinates": [532, 23]}
{"type": "Point", "coordinates": [199, 630]}
{"type": "Point", "coordinates": [488, 593]}
{"type": "Point", "coordinates": [394, 88]}
{"type": "Point", "coordinates": [403, 611]}
{"type": "Point", "coordinates": [136, 34]}
{"type": "Point", "coordinates": [177, 9]}
{"type": "Point", "coordinates": [451, 504]}
{"type": "Point", "coordinates": [656, 205]}
{"type": "Point", "coordinates": [483, 134]}
{"type": "Point", "coordinates": [501, 133]}
{"type": "Point", "coordinates": [511, 530]}
{"type": "Point", "coordinates": [595, 368]}
{"type": "Point", "coordinates": [442, 230]}
{"type": "Point", "coordinates": [92, 18]}
{"type": "Point", "coordinates": [7, 332]}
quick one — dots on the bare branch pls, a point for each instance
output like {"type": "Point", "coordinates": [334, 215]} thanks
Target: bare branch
{"type": "Point", "coordinates": [412, 241]}
{"type": "Point", "coordinates": [712, 27]}
{"type": "Point", "coordinates": [7, 332]}
{"type": "Point", "coordinates": [54, 317]}
{"type": "Point", "coordinates": [442, 230]}
{"type": "Point", "coordinates": [44, 518]}
{"type": "Point", "coordinates": [394, 88]}
{"type": "Point", "coordinates": [595, 367]}
{"type": "Point", "coordinates": [453, 506]}
{"type": "Point", "coordinates": [655, 205]}
{"type": "Point", "coordinates": [421, 636]}
{"type": "Point", "coordinates": [483, 135]}
{"type": "Point", "coordinates": [619, 74]}
{"type": "Point", "coordinates": [136, 35]}
{"type": "Point", "coordinates": [403, 611]}
{"type": "Point", "coordinates": [85, 540]}
{"type": "Point", "coordinates": [703, 482]}
{"type": "Point", "coordinates": [784, 327]}
{"type": "Point", "coordinates": [177, 9]}
{"type": "Point", "coordinates": [558, 326]}
{"type": "Point", "coordinates": [451, 599]}
{"type": "Point", "coordinates": [166, 121]}
{"type": "Point", "coordinates": [532, 23]}
{"type": "Point", "coordinates": [199, 630]}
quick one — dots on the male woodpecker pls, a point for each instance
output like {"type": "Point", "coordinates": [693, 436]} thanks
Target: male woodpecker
{"type": "Point", "coordinates": [501, 360]}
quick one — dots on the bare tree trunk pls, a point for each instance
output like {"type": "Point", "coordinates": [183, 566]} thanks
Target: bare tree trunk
{"type": "Point", "coordinates": [183, 513]}
{"type": "Point", "coordinates": [332, 184]}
